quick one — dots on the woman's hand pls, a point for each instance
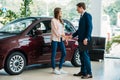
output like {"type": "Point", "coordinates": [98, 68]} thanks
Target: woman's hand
{"type": "Point", "coordinates": [66, 42]}
{"type": "Point", "coordinates": [68, 37]}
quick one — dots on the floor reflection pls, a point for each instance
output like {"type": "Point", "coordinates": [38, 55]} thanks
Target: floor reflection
{"type": "Point", "coordinates": [109, 69]}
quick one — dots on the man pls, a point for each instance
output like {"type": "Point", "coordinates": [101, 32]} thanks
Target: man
{"type": "Point", "coordinates": [84, 36]}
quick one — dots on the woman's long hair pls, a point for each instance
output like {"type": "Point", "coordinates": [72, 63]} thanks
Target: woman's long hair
{"type": "Point", "coordinates": [56, 14]}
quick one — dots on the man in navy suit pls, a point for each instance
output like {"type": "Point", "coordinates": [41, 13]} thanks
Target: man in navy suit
{"type": "Point", "coordinates": [84, 35]}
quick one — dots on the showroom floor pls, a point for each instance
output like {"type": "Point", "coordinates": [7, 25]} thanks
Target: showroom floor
{"type": "Point", "coordinates": [114, 52]}
{"type": "Point", "coordinates": [109, 69]}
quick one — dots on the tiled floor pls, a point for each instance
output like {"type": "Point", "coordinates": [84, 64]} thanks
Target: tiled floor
{"type": "Point", "coordinates": [109, 69]}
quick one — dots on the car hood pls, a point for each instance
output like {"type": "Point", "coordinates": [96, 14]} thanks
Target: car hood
{"type": "Point", "coordinates": [2, 35]}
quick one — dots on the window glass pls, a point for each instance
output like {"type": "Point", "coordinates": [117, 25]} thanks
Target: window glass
{"type": "Point", "coordinates": [17, 27]}
{"type": "Point", "coordinates": [42, 27]}
{"type": "Point", "coordinates": [68, 27]}
{"type": "Point", "coordinates": [46, 26]}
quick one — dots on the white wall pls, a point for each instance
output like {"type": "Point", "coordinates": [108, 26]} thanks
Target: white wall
{"type": "Point", "coordinates": [96, 12]}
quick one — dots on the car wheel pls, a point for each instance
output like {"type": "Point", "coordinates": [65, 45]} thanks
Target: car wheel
{"type": "Point", "coordinates": [15, 63]}
{"type": "Point", "coordinates": [76, 59]}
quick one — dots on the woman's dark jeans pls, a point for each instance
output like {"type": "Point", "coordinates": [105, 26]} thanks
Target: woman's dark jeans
{"type": "Point", "coordinates": [55, 45]}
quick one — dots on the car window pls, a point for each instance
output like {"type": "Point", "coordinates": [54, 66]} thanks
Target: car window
{"type": "Point", "coordinates": [16, 27]}
{"type": "Point", "coordinates": [42, 26]}
{"type": "Point", "coordinates": [45, 26]}
{"type": "Point", "coordinates": [68, 27]}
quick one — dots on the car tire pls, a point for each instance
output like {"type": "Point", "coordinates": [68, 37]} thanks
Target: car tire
{"type": "Point", "coordinates": [15, 63]}
{"type": "Point", "coordinates": [76, 59]}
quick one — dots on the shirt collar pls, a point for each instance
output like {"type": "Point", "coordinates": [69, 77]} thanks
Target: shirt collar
{"type": "Point", "coordinates": [83, 13]}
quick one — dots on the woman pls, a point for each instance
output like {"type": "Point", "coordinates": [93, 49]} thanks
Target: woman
{"type": "Point", "coordinates": [58, 36]}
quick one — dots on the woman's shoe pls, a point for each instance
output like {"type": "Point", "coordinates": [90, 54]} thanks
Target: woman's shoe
{"type": "Point", "coordinates": [56, 72]}
{"type": "Point", "coordinates": [63, 72]}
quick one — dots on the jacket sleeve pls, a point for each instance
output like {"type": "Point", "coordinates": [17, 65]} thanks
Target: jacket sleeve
{"type": "Point", "coordinates": [54, 28]}
{"type": "Point", "coordinates": [89, 26]}
{"type": "Point", "coordinates": [75, 34]}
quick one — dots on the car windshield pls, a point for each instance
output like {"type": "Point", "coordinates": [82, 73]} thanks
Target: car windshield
{"type": "Point", "coordinates": [16, 26]}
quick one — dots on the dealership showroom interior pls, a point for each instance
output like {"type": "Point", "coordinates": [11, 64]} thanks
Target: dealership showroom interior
{"type": "Point", "coordinates": [59, 39]}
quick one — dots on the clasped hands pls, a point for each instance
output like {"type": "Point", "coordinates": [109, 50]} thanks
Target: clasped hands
{"type": "Point", "coordinates": [67, 38]}
{"type": "Point", "coordinates": [85, 41]}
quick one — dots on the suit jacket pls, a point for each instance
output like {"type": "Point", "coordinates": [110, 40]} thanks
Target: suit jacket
{"type": "Point", "coordinates": [85, 28]}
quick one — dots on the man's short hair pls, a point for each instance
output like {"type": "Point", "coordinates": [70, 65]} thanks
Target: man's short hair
{"type": "Point", "coordinates": [81, 4]}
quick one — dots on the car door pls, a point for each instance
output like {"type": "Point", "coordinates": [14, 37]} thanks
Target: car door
{"type": "Point", "coordinates": [32, 44]}
{"type": "Point", "coordinates": [46, 49]}
{"type": "Point", "coordinates": [39, 44]}
{"type": "Point", "coordinates": [46, 45]}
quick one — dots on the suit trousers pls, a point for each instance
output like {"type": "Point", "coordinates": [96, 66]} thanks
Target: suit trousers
{"type": "Point", "coordinates": [85, 62]}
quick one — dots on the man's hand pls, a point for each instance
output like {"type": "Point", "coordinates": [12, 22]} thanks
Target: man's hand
{"type": "Point", "coordinates": [70, 37]}
{"type": "Point", "coordinates": [85, 41]}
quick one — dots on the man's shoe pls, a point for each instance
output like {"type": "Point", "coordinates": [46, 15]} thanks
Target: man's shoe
{"type": "Point", "coordinates": [78, 74]}
{"type": "Point", "coordinates": [87, 76]}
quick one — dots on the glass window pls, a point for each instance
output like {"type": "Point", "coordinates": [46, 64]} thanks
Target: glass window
{"type": "Point", "coordinates": [42, 27]}
{"type": "Point", "coordinates": [17, 26]}
{"type": "Point", "coordinates": [45, 26]}
{"type": "Point", "coordinates": [68, 27]}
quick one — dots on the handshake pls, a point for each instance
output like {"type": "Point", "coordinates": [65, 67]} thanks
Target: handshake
{"type": "Point", "coordinates": [68, 37]}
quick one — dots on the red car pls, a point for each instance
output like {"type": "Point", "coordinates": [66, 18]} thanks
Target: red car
{"type": "Point", "coordinates": [27, 41]}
